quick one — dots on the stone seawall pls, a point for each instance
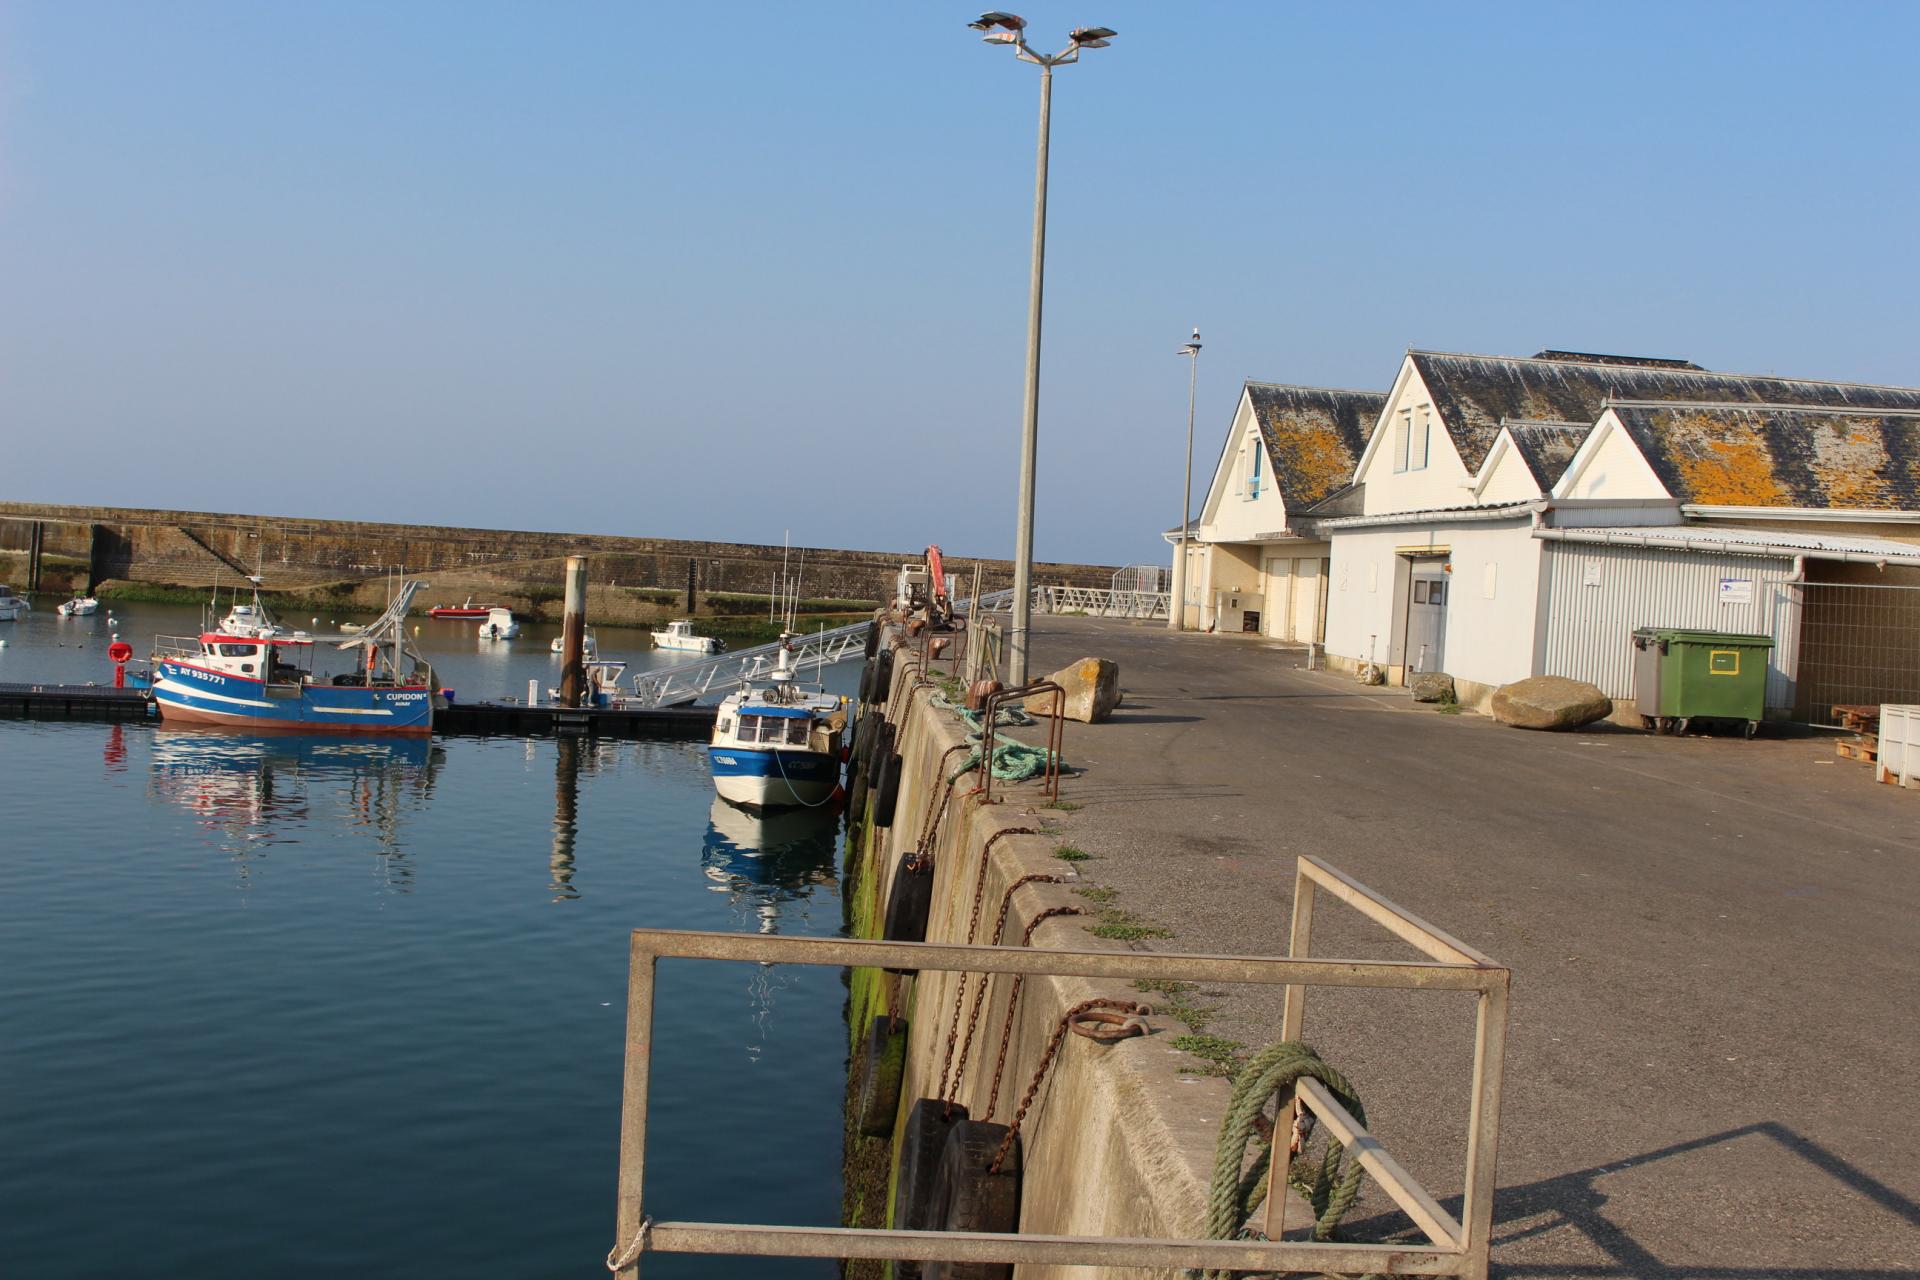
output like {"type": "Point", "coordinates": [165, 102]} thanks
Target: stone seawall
{"type": "Point", "coordinates": [1118, 1140]}
{"type": "Point", "coordinates": [198, 548]}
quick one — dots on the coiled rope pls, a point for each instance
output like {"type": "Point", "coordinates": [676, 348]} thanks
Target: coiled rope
{"type": "Point", "coordinates": [1234, 1193]}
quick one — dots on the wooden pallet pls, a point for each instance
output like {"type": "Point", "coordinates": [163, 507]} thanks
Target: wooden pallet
{"type": "Point", "coordinates": [1856, 718]}
{"type": "Point", "coordinates": [1866, 748]}
{"type": "Point", "coordinates": [1892, 779]}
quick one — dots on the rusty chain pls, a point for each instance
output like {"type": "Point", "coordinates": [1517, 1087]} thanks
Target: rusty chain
{"type": "Point", "coordinates": [1013, 1001]}
{"type": "Point", "coordinates": [973, 930]}
{"type": "Point", "coordinates": [1123, 1015]}
{"type": "Point", "coordinates": [980, 992]}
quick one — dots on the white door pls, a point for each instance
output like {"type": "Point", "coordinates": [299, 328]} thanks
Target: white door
{"type": "Point", "coordinates": [1306, 597]}
{"type": "Point", "coordinates": [1279, 581]}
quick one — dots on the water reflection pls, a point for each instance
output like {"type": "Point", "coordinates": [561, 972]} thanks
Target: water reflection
{"type": "Point", "coordinates": [251, 792]}
{"type": "Point", "coordinates": [768, 865]}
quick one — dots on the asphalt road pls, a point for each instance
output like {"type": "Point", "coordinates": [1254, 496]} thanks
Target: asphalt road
{"type": "Point", "coordinates": [1715, 945]}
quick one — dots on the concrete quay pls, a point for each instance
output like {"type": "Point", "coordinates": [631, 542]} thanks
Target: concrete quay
{"type": "Point", "coordinates": [1713, 1045]}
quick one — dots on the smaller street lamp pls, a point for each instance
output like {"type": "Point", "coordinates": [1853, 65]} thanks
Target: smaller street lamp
{"type": "Point", "coordinates": [1177, 603]}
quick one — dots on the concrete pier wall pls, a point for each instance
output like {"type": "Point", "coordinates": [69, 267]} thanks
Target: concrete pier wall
{"type": "Point", "coordinates": [1119, 1140]}
{"type": "Point", "coordinates": [196, 548]}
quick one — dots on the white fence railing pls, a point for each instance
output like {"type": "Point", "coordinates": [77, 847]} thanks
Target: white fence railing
{"type": "Point", "coordinates": [1101, 602]}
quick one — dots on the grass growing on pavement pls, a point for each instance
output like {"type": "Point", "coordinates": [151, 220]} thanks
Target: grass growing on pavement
{"type": "Point", "coordinates": [1125, 926]}
{"type": "Point", "coordinates": [1097, 893]}
{"type": "Point", "coordinates": [1067, 853]}
{"type": "Point", "coordinates": [1065, 806]}
{"type": "Point", "coordinates": [1179, 1002]}
{"type": "Point", "coordinates": [1220, 1055]}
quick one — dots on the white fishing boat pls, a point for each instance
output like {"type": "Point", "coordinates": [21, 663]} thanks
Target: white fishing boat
{"type": "Point", "coordinates": [679, 635]}
{"type": "Point", "coordinates": [590, 649]}
{"type": "Point", "coordinates": [78, 607]}
{"type": "Point", "coordinates": [13, 607]}
{"type": "Point", "coordinates": [778, 746]}
{"type": "Point", "coordinates": [499, 624]}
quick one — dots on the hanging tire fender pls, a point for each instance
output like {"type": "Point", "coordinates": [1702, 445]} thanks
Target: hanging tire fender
{"type": "Point", "coordinates": [967, 1197]}
{"type": "Point", "coordinates": [882, 679]}
{"type": "Point", "coordinates": [909, 902]}
{"type": "Point", "coordinates": [883, 1063]}
{"type": "Point", "coordinates": [886, 790]}
{"type": "Point", "coordinates": [922, 1138]}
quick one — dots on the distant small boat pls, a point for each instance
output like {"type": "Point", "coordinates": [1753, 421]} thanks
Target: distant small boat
{"type": "Point", "coordinates": [468, 612]}
{"type": "Point", "coordinates": [679, 635]}
{"type": "Point", "coordinates": [78, 607]}
{"type": "Point", "coordinates": [499, 625]}
{"type": "Point", "coordinates": [592, 650]}
{"type": "Point", "coordinates": [12, 607]}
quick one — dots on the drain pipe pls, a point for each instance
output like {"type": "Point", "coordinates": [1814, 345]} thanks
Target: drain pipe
{"type": "Point", "coordinates": [573, 634]}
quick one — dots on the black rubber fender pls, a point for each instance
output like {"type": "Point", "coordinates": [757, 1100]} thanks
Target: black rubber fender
{"type": "Point", "coordinates": [884, 738]}
{"type": "Point", "coordinates": [883, 1064]}
{"type": "Point", "coordinates": [876, 696]}
{"type": "Point", "coordinates": [873, 637]}
{"type": "Point", "coordinates": [886, 790]}
{"type": "Point", "coordinates": [968, 1198]}
{"type": "Point", "coordinates": [922, 1139]}
{"type": "Point", "coordinates": [863, 735]}
{"type": "Point", "coordinates": [909, 902]}
{"type": "Point", "coordinates": [857, 800]}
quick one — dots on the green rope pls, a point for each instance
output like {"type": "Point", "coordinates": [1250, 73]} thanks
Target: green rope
{"type": "Point", "coordinates": [1012, 761]}
{"type": "Point", "coordinates": [1234, 1193]}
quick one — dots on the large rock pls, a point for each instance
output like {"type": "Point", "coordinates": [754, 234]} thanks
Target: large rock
{"type": "Point", "coordinates": [1431, 686]}
{"type": "Point", "coordinates": [1550, 702]}
{"type": "Point", "coordinates": [1093, 691]}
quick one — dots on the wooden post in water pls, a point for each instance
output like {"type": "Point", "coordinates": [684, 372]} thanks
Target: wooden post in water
{"type": "Point", "coordinates": [693, 585]}
{"type": "Point", "coordinates": [35, 545]}
{"type": "Point", "coordinates": [573, 634]}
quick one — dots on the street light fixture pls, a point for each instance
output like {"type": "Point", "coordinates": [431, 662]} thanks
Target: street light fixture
{"type": "Point", "coordinates": [1010, 28]}
{"type": "Point", "coordinates": [1177, 603]}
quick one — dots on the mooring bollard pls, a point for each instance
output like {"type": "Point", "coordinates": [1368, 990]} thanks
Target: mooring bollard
{"type": "Point", "coordinates": [573, 634]}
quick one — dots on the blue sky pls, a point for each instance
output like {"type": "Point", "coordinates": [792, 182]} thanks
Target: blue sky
{"type": "Point", "coordinates": [724, 270]}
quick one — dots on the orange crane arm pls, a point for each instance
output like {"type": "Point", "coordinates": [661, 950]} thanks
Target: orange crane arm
{"type": "Point", "coordinates": [936, 572]}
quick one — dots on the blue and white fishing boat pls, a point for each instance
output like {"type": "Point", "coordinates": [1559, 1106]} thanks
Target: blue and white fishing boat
{"type": "Point", "coordinates": [246, 670]}
{"type": "Point", "coordinates": [778, 746]}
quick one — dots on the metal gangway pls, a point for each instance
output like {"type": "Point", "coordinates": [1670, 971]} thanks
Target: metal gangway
{"type": "Point", "coordinates": [717, 676]}
{"type": "Point", "coordinates": [1102, 602]}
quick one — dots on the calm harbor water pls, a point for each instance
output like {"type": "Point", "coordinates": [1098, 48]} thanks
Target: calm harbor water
{"type": "Point", "coordinates": [330, 1006]}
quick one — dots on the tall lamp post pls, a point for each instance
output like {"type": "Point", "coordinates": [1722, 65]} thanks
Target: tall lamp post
{"type": "Point", "coordinates": [1009, 28]}
{"type": "Point", "coordinates": [1177, 604]}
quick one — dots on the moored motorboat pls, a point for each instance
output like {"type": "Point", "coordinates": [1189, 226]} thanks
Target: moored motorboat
{"type": "Point", "coordinates": [500, 625]}
{"type": "Point", "coordinates": [590, 650]}
{"type": "Point", "coordinates": [12, 607]}
{"type": "Point", "coordinates": [778, 746]}
{"type": "Point", "coordinates": [468, 612]}
{"type": "Point", "coordinates": [78, 607]}
{"type": "Point", "coordinates": [246, 670]}
{"type": "Point", "coordinates": [679, 635]}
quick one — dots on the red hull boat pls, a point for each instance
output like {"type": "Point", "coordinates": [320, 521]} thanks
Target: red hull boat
{"type": "Point", "coordinates": [468, 612]}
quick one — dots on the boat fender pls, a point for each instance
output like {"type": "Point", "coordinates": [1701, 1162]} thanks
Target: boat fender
{"type": "Point", "coordinates": [876, 695]}
{"type": "Point", "coordinates": [909, 902]}
{"type": "Point", "coordinates": [883, 1063]}
{"type": "Point", "coordinates": [857, 799]}
{"type": "Point", "coordinates": [966, 1197]}
{"type": "Point", "coordinates": [873, 637]}
{"type": "Point", "coordinates": [884, 738]}
{"type": "Point", "coordinates": [886, 786]}
{"type": "Point", "coordinates": [922, 1140]}
{"type": "Point", "coordinates": [863, 735]}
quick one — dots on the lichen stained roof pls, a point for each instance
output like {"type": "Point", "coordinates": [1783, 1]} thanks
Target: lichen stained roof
{"type": "Point", "coordinates": [1314, 436]}
{"type": "Point", "coordinates": [1547, 447]}
{"type": "Point", "coordinates": [1473, 394]}
{"type": "Point", "coordinates": [1819, 457]}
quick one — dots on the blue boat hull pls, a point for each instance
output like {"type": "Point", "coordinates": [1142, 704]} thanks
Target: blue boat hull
{"type": "Point", "coordinates": [773, 779]}
{"type": "Point", "coordinates": [197, 695]}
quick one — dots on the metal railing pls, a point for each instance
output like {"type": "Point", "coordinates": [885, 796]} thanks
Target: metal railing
{"type": "Point", "coordinates": [723, 673]}
{"type": "Point", "coordinates": [1101, 602]}
{"type": "Point", "coordinates": [1456, 1247]}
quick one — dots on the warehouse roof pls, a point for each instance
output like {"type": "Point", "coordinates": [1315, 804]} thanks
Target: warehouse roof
{"type": "Point", "coordinates": [1547, 447]}
{"type": "Point", "coordinates": [1473, 394]}
{"type": "Point", "coordinates": [1725, 540]}
{"type": "Point", "coordinates": [1314, 436]}
{"type": "Point", "coordinates": [1780, 455]}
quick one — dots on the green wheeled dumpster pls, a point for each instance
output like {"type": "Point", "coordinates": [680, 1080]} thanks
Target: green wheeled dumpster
{"type": "Point", "coordinates": [1682, 676]}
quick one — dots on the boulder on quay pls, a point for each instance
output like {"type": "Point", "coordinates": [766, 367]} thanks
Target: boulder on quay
{"type": "Point", "coordinates": [1093, 690]}
{"type": "Point", "coordinates": [1550, 702]}
{"type": "Point", "coordinates": [1431, 686]}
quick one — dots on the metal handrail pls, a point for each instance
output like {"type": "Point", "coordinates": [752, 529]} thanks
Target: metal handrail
{"type": "Point", "coordinates": [719, 675]}
{"type": "Point", "coordinates": [1102, 602]}
{"type": "Point", "coordinates": [1456, 1247]}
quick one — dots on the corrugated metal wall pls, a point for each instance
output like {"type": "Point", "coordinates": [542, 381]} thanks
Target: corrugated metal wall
{"type": "Point", "coordinates": [1598, 595]}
